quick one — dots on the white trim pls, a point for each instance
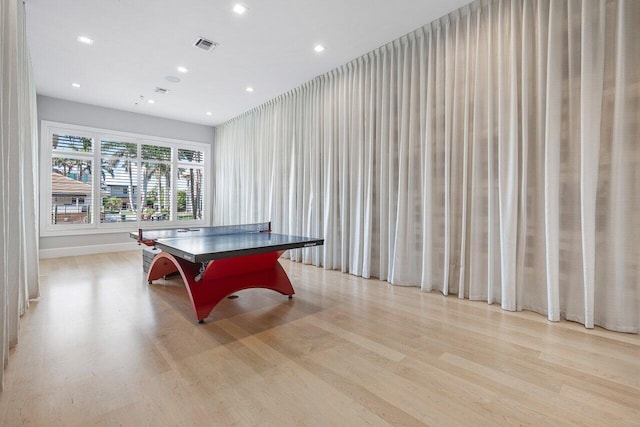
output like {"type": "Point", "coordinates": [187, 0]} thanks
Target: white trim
{"type": "Point", "coordinates": [88, 250]}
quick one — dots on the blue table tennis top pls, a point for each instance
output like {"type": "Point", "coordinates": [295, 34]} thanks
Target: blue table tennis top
{"type": "Point", "coordinates": [197, 245]}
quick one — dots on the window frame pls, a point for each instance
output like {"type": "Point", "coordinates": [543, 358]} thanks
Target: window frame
{"type": "Point", "coordinates": [49, 128]}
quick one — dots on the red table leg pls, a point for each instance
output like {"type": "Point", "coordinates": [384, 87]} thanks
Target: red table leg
{"type": "Point", "coordinates": [223, 277]}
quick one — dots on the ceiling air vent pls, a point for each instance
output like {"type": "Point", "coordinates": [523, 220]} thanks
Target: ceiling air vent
{"type": "Point", "coordinates": [161, 90]}
{"type": "Point", "coordinates": [205, 44]}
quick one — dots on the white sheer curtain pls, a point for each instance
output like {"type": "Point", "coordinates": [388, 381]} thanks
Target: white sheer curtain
{"type": "Point", "coordinates": [18, 172]}
{"type": "Point", "coordinates": [493, 154]}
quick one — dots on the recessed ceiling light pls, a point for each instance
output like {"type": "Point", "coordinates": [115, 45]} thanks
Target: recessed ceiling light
{"type": "Point", "coordinates": [318, 48]}
{"type": "Point", "coordinates": [151, 101]}
{"type": "Point", "coordinates": [75, 84]}
{"type": "Point", "coordinates": [172, 79]}
{"type": "Point", "coordinates": [85, 40]}
{"type": "Point", "coordinates": [249, 89]}
{"type": "Point", "coordinates": [239, 9]}
{"type": "Point", "coordinates": [209, 113]}
{"type": "Point", "coordinates": [183, 69]}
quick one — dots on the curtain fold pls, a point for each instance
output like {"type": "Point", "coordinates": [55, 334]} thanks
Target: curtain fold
{"type": "Point", "coordinates": [18, 172]}
{"type": "Point", "coordinates": [493, 154]}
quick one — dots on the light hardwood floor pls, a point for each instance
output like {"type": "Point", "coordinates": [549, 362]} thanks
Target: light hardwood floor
{"type": "Point", "coordinates": [101, 347]}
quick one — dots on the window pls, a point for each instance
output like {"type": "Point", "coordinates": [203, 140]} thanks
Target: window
{"type": "Point", "coordinates": [95, 180]}
{"type": "Point", "coordinates": [71, 178]}
{"type": "Point", "coordinates": [119, 180]}
{"type": "Point", "coordinates": [189, 183]}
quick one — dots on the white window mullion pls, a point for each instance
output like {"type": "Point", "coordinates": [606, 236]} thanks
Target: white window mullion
{"type": "Point", "coordinates": [97, 170]}
{"type": "Point", "coordinates": [141, 205]}
{"type": "Point", "coordinates": [207, 187]}
{"type": "Point", "coordinates": [174, 184]}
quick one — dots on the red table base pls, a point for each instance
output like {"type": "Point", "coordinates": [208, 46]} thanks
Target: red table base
{"type": "Point", "coordinates": [223, 277]}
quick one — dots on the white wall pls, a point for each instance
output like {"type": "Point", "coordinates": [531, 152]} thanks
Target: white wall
{"type": "Point", "coordinates": [58, 110]}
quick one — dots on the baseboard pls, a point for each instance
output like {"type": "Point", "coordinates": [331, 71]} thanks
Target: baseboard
{"type": "Point", "coordinates": [87, 250]}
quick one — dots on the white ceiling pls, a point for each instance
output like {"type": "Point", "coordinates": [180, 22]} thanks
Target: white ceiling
{"type": "Point", "coordinates": [140, 42]}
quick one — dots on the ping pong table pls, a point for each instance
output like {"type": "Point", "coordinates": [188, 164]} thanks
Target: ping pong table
{"type": "Point", "coordinates": [215, 262]}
